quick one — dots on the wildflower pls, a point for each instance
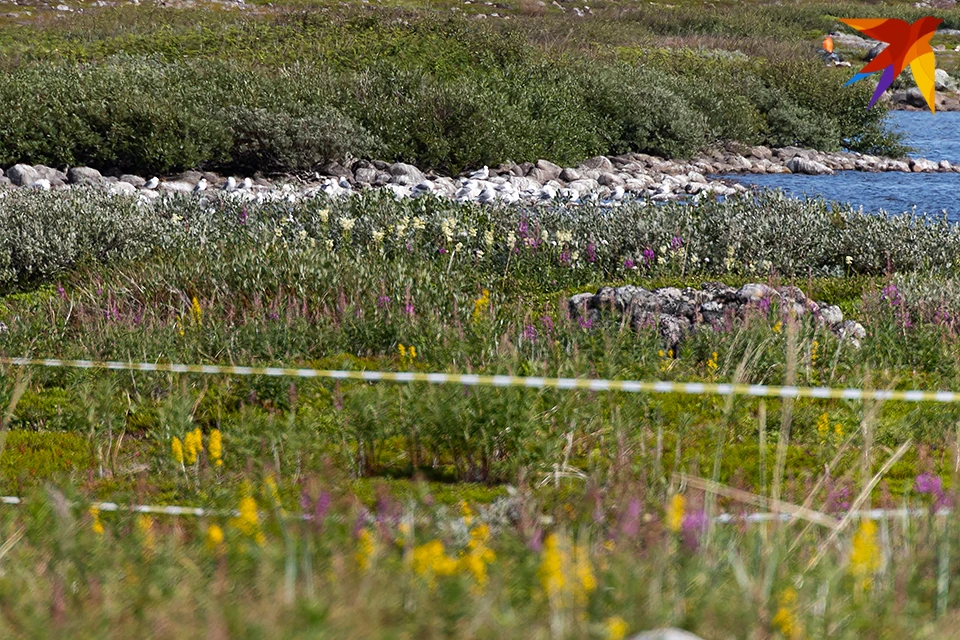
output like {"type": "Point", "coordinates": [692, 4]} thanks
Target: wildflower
{"type": "Point", "coordinates": [430, 560]}
{"type": "Point", "coordinates": [488, 238]}
{"type": "Point", "coordinates": [366, 548]}
{"type": "Point", "coordinates": [574, 256]}
{"type": "Point", "coordinates": [712, 362]}
{"type": "Point", "coordinates": [458, 246]}
{"type": "Point", "coordinates": [419, 224]}
{"type": "Point", "coordinates": [447, 227]}
{"type": "Point", "coordinates": [472, 232]}
{"type": "Point", "coordinates": [865, 552]}
{"type": "Point", "coordinates": [278, 232]}
{"type": "Point", "coordinates": [466, 512]}
{"type": "Point", "coordinates": [616, 628]}
{"type": "Point", "coordinates": [849, 260]}
{"type": "Point", "coordinates": [215, 447]}
{"type": "Point", "coordinates": [178, 323]}
{"type": "Point", "coordinates": [479, 304]}
{"type": "Point", "coordinates": [786, 616]}
{"type": "Point", "coordinates": [544, 236]}
{"type": "Point", "coordinates": [403, 351]}
{"type": "Point", "coordinates": [813, 352]}
{"type": "Point", "coordinates": [552, 577]}
{"type": "Point", "coordinates": [778, 327]}
{"type": "Point", "coordinates": [177, 448]}
{"type": "Point", "coordinates": [214, 538]}
{"type": "Point", "coordinates": [530, 333]}
{"type": "Point", "coordinates": [413, 352]}
{"type": "Point", "coordinates": [479, 254]}
{"type": "Point", "coordinates": [324, 215]}
{"type": "Point", "coordinates": [511, 239]}
{"type": "Point", "coordinates": [145, 525]}
{"type": "Point", "coordinates": [675, 513]}
{"type": "Point", "coordinates": [175, 219]}
{"type": "Point", "coordinates": [478, 556]}
{"type": "Point", "coordinates": [192, 445]}
{"type": "Point", "coordinates": [694, 524]}
{"type": "Point", "coordinates": [196, 311]}
{"type": "Point", "coordinates": [629, 264]}
{"type": "Point", "coordinates": [97, 525]}
{"type": "Point", "coordinates": [648, 255]}
{"type": "Point", "coordinates": [584, 571]}
{"type": "Point", "coordinates": [248, 521]}
{"type": "Point", "coordinates": [823, 427]}
{"type": "Point", "coordinates": [378, 236]}
{"type": "Point", "coordinates": [347, 223]}
{"type": "Point", "coordinates": [329, 245]}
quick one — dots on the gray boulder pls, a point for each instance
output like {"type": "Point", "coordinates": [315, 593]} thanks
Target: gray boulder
{"type": "Point", "coordinates": [569, 175]}
{"type": "Point", "coordinates": [943, 82]}
{"type": "Point", "coordinates": [136, 181]}
{"type": "Point", "coordinates": [365, 175]}
{"type": "Point", "coordinates": [405, 174]}
{"type": "Point", "coordinates": [830, 314]}
{"type": "Point", "coordinates": [56, 177]}
{"type": "Point", "coordinates": [84, 175]}
{"type": "Point", "coordinates": [545, 171]}
{"type": "Point", "coordinates": [22, 175]}
{"type": "Point", "coordinates": [797, 164]}
{"type": "Point", "coordinates": [600, 163]}
{"type": "Point", "coordinates": [919, 165]}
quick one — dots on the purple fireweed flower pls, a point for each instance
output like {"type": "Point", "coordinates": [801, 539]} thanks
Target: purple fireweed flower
{"type": "Point", "coordinates": [676, 242]}
{"type": "Point", "coordinates": [928, 483]}
{"type": "Point", "coordinates": [628, 264]}
{"type": "Point", "coordinates": [442, 250]}
{"type": "Point", "coordinates": [565, 258]}
{"type": "Point", "coordinates": [648, 255]}
{"type": "Point", "coordinates": [630, 522]}
{"type": "Point", "coordinates": [547, 323]}
{"type": "Point", "coordinates": [591, 252]}
{"type": "Point", "coordinates": [585, 323]}
{"type": "Point", "coordinates": [764, 305]}
{"type": "Point", "coordinates": [61, 292]}
{"type": "Point", "coordinates": [243, 216]}
{"type": "Point", "coordinates": [408, 308]}
{"type": "Point", "coordinates": [523, 228]}
{"type": "Point", "coordinates": [530, 333]}
{"type": "Point", "coordinates": [694, 525]}
{"type": "Point", "coordinates": [383, 302]}
{"type": "Point", "coordinates": [892, 294]}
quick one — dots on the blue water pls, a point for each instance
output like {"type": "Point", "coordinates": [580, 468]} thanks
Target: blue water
{"type": "Point", "coordinates": [934, 136]}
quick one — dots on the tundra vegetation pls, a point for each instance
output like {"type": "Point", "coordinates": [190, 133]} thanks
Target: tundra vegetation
{"type": "Point", "coordinates": [358, 509]}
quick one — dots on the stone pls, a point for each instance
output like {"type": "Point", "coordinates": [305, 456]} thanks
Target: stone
{"type": "Point", "coordinates": [943, 82]}
{"type": "Point", "coordinates": [667, 633]}
{"type": "Point", "coordinates": [919, 165]}
{"type": "Point", "coordinates": [84, 175]}
{"type": "Point", "coordinates": [365, 175]}
{"type": "Point", "coordinates": [830, 314]}
{"type": "Point", "coordinates": [611, 180]}
{"type": "Point", "coordinates": [853, 332]}
{"type": "Point", "coordinates": [797, 164]}
{"type": "Point", "coordinates": [22, 175]}
{"type": "Point", "coordinates": [405, 174]}
{"type": "Point", "coordinates": [584, 185]}
{"type": "Point", "coordinates": [121, 188]}
{"type": "Point", "coordinates": [51, 174]}
{"type": "Point", "coordinates": [754, 292]}
{"type": "Point", "coordinates": [193, 177]}
{"type": "Point", "coordinates": [548, 169]}
{"type": "Point", "coordinates": [579, 304]}
{"type": "Point", "coordinates": [600, 163]}
{"type": "Point", "coordinates": [175, 186]}
{"type": "Point", "coordinates": [136, 181]}
{"type": "Point", "coordinates": [569, 175]}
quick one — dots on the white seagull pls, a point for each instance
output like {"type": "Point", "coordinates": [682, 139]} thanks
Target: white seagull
{"type": "Point", "coordinates": [202, 185]}
{"type": "Point", "coordinates": [231, 184]}
{"type": "Point", "coordinates": [247, 184]}
{"type": "Point", "coordinates": [152, 183]}
{"type": "Point", "coordinates": [482, 174]}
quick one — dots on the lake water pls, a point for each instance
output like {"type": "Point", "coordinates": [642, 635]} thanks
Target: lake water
{"type": "Point", "coordinates": [934, 136]}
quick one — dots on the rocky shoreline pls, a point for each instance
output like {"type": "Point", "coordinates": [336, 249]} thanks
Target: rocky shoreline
{"type": "Point", "coordinates": [600, 180]}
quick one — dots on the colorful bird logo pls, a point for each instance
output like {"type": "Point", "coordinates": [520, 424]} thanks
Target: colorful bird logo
{"type": "Point", "coordinates": [909, 44]}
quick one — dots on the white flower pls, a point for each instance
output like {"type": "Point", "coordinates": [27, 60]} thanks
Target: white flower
{"type": "Point", "coordinates": [479, 254]}
{"type": "Point", "coordinates": [661, 260]}
{"type": "Point", "coordinates": [544, 236]}
{"type": "Point", "coordinates": [458, 247]}
{"type": "Point", "coordinates": [278, 231]}
{"type": "Point", "coordinates": [324, 215]}
{"type": "Point", "coordinates": [419, 224]}
{"type": "Point", "coordinates": [329, 245]}
{"type": "Point", "coordinates": [175, 219]}
{"type": "Point", "coordinates": [574, 256]}
{"type": "Point", "coordinates": [663, 249]}
{"type": "Point", "coordinates": [849, 260]}
{"type": "Point", "coordinates": [765, 265]}
{"type": "Point", "coordinates": [378, 236]}
{"type": "Point", "coordinates": [488, 237]}
{"type": "Point", "coordinates": [303, 234]}
{"type": "Point", "coordinates": [347, 223]}
{"type": "Point", "coordinates": [564, 236]}
{"type": "Point", "coordinates": [473, 232]}
{"type": "Point", "coordinates": [313, 242]}
{"type": "Point", "coordinates": [511, 239]}
{"type": "Point", "coordinates": [401, 229]}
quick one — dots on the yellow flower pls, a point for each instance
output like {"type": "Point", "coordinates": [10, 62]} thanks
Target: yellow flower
{"type": "Point", "coordinates": [675, 512]}
{"type": "Point", "coordinates": [616, 628]}
{"type": "Point", "coordinates": [865, 552]}
{"type": "Point", "coordinates": [823, 426]}
{"type": "Point", "coordinates": [324, 215]}
{"type": "Point", "coordinates": [366, 548]}
{"type": "Point", "coordinates": [177, 448]}
{"type": "Point", "coordinates": [192, 445]}
{"type": "Point", "coordinates": [403, 351]}
{"type": "Point", "coordinates": [145, 525]}
{"type": "Point", "coordinates": [179, 325]}
{"type": "Point", "coordinates": [196, 311]}
{"type": "Point", "coordinates": [777, 328]}
{"type": "Point", "coordinates": [248, 520]}
{"type": "Point", "coordinates": [813, 352]}
{"type": "Point", "coordinates": [271, 485]}
{"type": "Point", "coordinates": [478, 556]}
{"type": "Point", "coordinates": [214, 538]}
{"type": "Point", "coordinates": [97, 525]}
{"type": "Point", "coordinates": [584, 571]}
{"type": "Point", "coordinates": [413, 352]}
{"type": "Point", "coordinates": [215, 447]}
{"type": "Point", "coordinates": [480, 304]}
{"type": "Point", "coordinates": [712, 362]}
{"type": "Point", "coordinates": [567, 578]}
{"type": "Point", "coordinates": [552, 577]}
{"type": "Point", "coordinates": [786, 617]}
{"type": "Point", "coordinates": [466, 513]}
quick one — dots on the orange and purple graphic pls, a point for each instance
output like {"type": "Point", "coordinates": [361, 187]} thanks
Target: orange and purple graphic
{"type": "Point", "coordinates": [908, 44]}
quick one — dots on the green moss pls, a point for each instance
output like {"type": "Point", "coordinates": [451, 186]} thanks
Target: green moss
{"type": "Point", "coordinates": [31, 458]}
